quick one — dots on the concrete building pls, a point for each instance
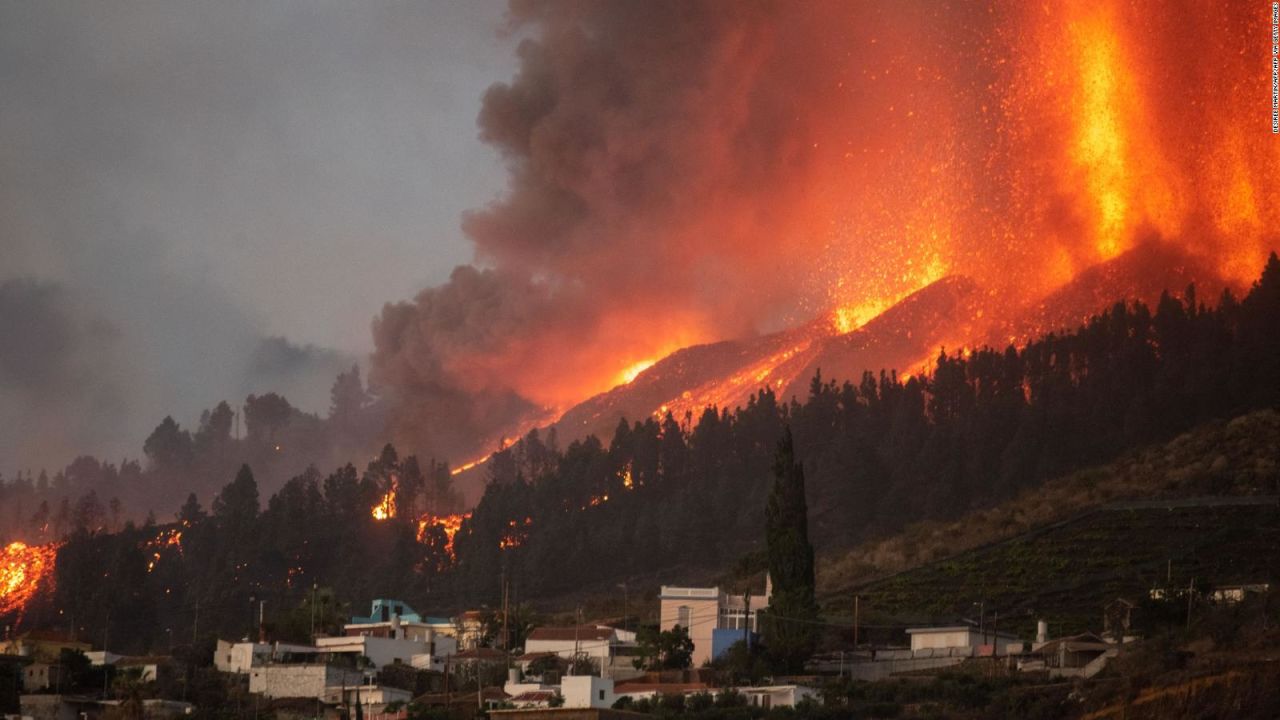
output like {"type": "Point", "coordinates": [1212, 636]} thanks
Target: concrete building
{"type": "Point", "coordinates": [980, 642]}
{"type": "Point", "coordinates": [609, 649]}
{"type": "Point", "coordinates": [43, 676]}
{"type": "Point", "coordinates": [372, 699]}
{"type": "Point", "coordinates": [59, 707]}
{"type": "Point", "coordinates": [240, 657]}
{"type": "Point", "coordinates": [393, 632]}
{"type": "Point", "coordinates": [1083, 655]}
{"type": "Point", "coordinates": [567, 714]}
{"type": "Point", "coordinates": [395, 619]}
{"type": "Point", "coordinates": [380, 651]}
{"type": "Point", "coordinates": [587, 691]}
{"type": "Point", "coordinates": [773, 696]}
{"type": "Point", "coordinates": [42, 645]}
{"type": "Point", "coordinates": [98, 658]}
{"type": "Point", "coordinates": [148, 668]}
{"type": "Point", "coordinates": [713, 618]}
{"type": "Point", "coordinates": [311, 680]}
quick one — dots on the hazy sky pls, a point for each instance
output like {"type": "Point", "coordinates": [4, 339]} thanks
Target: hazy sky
{"type": "Point", "coordinates": [180, 180]}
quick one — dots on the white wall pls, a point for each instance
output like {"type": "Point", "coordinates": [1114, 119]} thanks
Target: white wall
{"type": "Point", "coordinates": [587, 691]}
{"type": "Point", "coordinates": [957, 638]}
{"type": "Point", "coordinates": [948, 639]}
{"type": "Point", "coordinates": [232, 657]}
{"type": "Point", "coordinates": [381, 651]}
{"type": "Point", "coordinates": [294, 681]}
{"type": "Point", "coordinates": [598, 649]}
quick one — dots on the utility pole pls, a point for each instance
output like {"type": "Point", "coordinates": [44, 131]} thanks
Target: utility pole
{"type": "Point", "coordinates": [746, 619]}
{"type": "Point", "coordinates": [505, 646]}
{"type": "Point", "coordinates": [313, 612]}
{"type": "Point", "coordinates": [856, 598]}
{"type": "Point", "coordinates": [623, 587]}
{"type": "Point", "coordinates": [573, 669]}
{"type": "Point", "coordinates": [106, 628]}
{"type": "Point", "coordinates": [995, 634]}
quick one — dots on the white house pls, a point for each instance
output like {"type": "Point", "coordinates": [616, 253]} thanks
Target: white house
{"type": "Point", "coordinates": [587, 691]}
{"type": "Point", "coordinates": [98, 658]}
{"type": "Point", "coordinates": [372, 699]}
{"type": "Point", "coordinates": [601, 644]}
{"type": "Point", "coordinates": [380, 651]}
{"type": "Point", "coordinates": [772, 696]}
{"type": "Point", "coordinates": [958, 636]}
{"type": "Point", "coordinates": [240, 657]}
{"type": "Point", "coordinates": [300, 681]}
{"type": "Point", "coordinates": [713, 618]}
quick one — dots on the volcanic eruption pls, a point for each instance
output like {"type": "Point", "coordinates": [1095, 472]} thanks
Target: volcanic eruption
{"type": "Point", "coordinates": [758, 190]}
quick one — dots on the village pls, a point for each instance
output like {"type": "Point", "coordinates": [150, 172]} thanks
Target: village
{"type": "Point", "coordinates": [395, 661]}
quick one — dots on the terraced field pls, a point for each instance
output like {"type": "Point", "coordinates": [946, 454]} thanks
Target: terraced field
{"type": "Point", "coordinates": [1066, 572]}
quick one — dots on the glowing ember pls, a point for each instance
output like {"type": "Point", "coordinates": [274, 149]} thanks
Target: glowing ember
{"type": "Point", "coordinates": [22, 569]}
{"type": "Point", "coordinates": [517, 533]}
{"type": "Point", "coordinates": [386, 508]}
{"type": "Point", "coordinates": [451, 524]}
{"type": "Point", "coordinates": [627, 481]}
{"type": "Point", "coordinates": [165, 539]}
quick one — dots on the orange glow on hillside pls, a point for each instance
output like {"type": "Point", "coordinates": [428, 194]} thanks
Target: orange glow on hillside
{"type": "Point", "coordinates": [450, 524]}
{"type": "Point", "coordinates": [516, 534]}
{"type": "Point", "coordinates": [634, 369]}
{"type": "Point", "coordinates": [467, 466]}
{"type": "Point", "coordinates": [23, 568]}
{"type": "Point", "coordinates": [386, 508]}
{"type": "Point", "coordinates": [171, 538]}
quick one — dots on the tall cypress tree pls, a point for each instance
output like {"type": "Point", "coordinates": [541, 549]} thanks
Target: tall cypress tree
{"type": "Point", "coordinates": [790, 633]}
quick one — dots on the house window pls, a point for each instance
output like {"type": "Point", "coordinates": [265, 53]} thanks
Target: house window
{"type": "Point", "coordinates": [682, 616]}
{"type": "Point", "coordinates": [601, 696]}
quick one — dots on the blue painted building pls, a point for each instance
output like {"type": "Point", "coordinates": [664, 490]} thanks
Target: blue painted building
{"type": "Point", "coordinates": [723, 638]}
{"type": "Point", "coordinates": [384, 609]}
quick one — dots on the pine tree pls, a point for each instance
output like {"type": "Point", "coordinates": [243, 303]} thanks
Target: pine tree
{"type": "Point", "coordinates": [788, 627]}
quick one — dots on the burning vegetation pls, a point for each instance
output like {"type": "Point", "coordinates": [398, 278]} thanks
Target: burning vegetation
{"type": "Point", "coordinates": [24, 571]}
{"type": "Point", "coordinates": [170, 539]}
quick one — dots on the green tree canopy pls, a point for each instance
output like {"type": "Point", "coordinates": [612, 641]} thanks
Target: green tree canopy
{"type": "Point", "coordinates": [788, 622]}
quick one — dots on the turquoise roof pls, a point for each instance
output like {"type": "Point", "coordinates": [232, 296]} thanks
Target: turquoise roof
{"type": "Point", "coordinates": [384, 609]}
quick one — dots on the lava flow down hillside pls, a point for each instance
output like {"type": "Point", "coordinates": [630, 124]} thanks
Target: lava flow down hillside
{"type": "Point", "coordinates": [25, 570]}
{"type": "Point", "coordinates": [708, 198]}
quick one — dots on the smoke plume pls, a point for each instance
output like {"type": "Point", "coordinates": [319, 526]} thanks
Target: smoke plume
{"type": "Point", "coordinates": [681, 172]}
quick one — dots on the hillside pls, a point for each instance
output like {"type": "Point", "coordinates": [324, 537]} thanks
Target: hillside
{"type": "Point", "coordinates": [1201, 505]}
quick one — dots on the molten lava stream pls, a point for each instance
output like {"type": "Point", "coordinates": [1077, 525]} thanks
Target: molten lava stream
{"type": "Point", "coordinates": [23, 568]}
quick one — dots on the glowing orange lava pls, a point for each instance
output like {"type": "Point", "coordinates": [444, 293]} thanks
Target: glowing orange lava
{"type": "Point", "coordinates": [451, 524]}
{"type": "Point", "coordinates": [634, 369]}
{"type": "Point", "coordinates": [171, 538]}
{"type": "Point", "coordinates": [467, 466]}
{"type": "Point", "coordinates": [386, 508]}
{"type": "Point", "coordinates": [23, 568]}
{"type": "Point", "coordinates": [516, 534]}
